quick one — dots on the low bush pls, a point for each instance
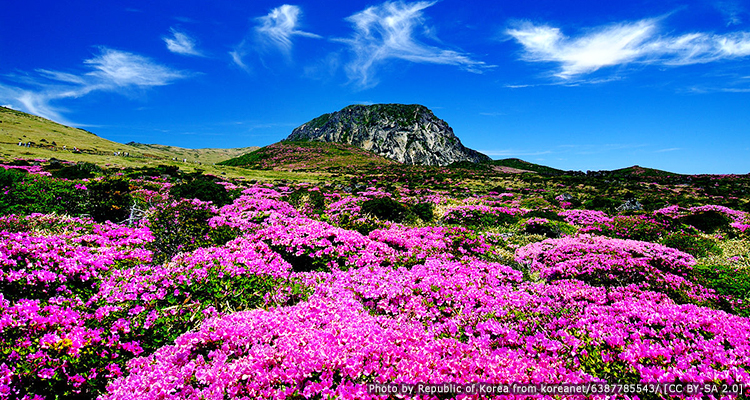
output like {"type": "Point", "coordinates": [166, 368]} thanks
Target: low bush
{"type": "Point", "coordinates": [108, 199]}
{"type": "Point", "coordinates": [601, 204]}
{"type": "Point", "coordinates": [385, 208]}
{"type": "Point", "coordinates": [24, 194]}
{"type": "Point", "coordinates": [425, 211]}
{"type": "Point", "coordinates": [546, 228]}
{"type": "Point", "coordinates": [546, 214]}
{"type": "Point", "coordinates": [482, 216]}
{"type": "Point", "coordinates": [631, 227]}
{"type": "Point", "coordinates": [534, 203]}
{"type": "Point", "coordinates": [727, 281]}
{"type": "Point", "coordinates": [708, 221]}
{"type": "Point", "coordinates": [182, 226]}
{"type": "Point", "coordinates": [76, 171]}
{"type": "Point", "coordinates": [694, 245]}
{"type": "Point", "coordinates": [306, 200]}
{"type": "Point", "coordinates": [202, 189]}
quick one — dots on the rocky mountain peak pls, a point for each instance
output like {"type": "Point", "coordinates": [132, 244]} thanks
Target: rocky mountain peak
{"type": "Point", "coordinates": [410, 134]}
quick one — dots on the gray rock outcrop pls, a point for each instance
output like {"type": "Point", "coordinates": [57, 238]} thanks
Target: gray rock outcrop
{"type": "Point", "coordinates": [410, 134]}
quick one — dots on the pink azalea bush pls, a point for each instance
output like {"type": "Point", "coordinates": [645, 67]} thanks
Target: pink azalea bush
{"type": "Point", "coordinates": [604, 261]}
{"type": "Point", "coordinates": [443, 322]}
{"type": "Point", "coordinates": [312, 244]}
{"type": "Point", "coordinates": [292, 306]}
{"type": "Point", "coordinates": [585, 217]}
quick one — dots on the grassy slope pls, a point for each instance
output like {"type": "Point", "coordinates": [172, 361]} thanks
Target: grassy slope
{"type": "Point", "coordinates": [522, 166]}
{"type": "Point", "coordinates": [306, 156]}
{"type": "Point", "coordinates": [205, 156]}
{"type": "Point", "coordinates": [17, 126]}
{"type": "Point", "coordinates": [640, 171]}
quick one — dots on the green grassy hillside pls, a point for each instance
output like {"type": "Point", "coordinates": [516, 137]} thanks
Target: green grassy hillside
{"type": "Point", "coordinates": [47, 139]}
{"type": "Point", "coordinates": [307, 156]}
{"type": "Point", "coordinates": [641, 171]}
{"type": "Point", "coordinates": [526, 166]}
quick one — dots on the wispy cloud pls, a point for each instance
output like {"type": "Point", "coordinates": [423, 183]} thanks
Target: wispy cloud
{"type": "Point", "coordinates": [388, 32]}
{"type": "Point", "coordinates": [181, 43]}
{"type": "Point", "coordinates": [669, 150]}
{"type": "Point", "coordinates": [273, 31]}
{"type": "Point", "coordinates": [110, 71]}
{"type": "Point", "coordinates": [612, 45]}
{"type": "Point", "coordinates": [624, 43]}
{"type": "Point", "coordinates": [518, 86]}
{"type": "Point", "coordinates": [732, 10]}
{"type": "Point", "coordinates": [278, 27]}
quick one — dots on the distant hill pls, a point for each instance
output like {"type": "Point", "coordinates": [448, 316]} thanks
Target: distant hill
{"type": "Point", "coordinates": [303, 156]}
{"type": "Point", "coordinates": [641, 171]}
{"type": "Point", "coordinates": [205, 155]}
{"type": "Point", "coordinates": [42, 138]}
{"type": "Point", "coordinates": [409, 134]}
{"type": "Point", "coordinates": [524, 166]}
{"type": "Point", "coordinates": [19, 127]}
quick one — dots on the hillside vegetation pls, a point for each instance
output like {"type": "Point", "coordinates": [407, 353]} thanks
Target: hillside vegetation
{"type": "Point", "coordinates": [49, 140]}
{"type": "Point", "coordinates": [154, 283]}
{"type": "Point", "coordinates": [526, 166]}
{"type": "Point", "coordinates": [307, 156]}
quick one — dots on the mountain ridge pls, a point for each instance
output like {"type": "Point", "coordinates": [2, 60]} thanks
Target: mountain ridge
{"type": "Point", "coordinates": [18, 126]}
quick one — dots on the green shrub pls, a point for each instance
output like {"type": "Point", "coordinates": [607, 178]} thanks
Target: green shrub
{"type": "Point", "coordinates": [692, 244]}
{"type": "Point", "coordinates": [9, 177]}
{"type": "Point", "coordinates": [202, 189]}
{"type": "Point", "coordinates": [707, 221]}
{"type": "Point", "coordinates": [109, 199]}
{"type": "Point", "coordinates": [601, 204]}
{"type": "Point", "coordinates": [731, 282]}
{"type": "Point", "coordinates": [385, 208]}
{"type": "Point", "coordinates": [546, 228]}
{"type": "Point", "coordinates": [25, 193]}
{"type": "Point", "coordinates": [160, 170]}
{"type": "Point", "coordinates": [81, 170]}
{"type": "Point", "coordinates": [363, 224]}
{"type": "Point", "coordinates": [534, 203]}
{"type": "Point", "coordinates": [303, 199]}
{"type": "Point", "coordinates": [425, 211]}
{"type": "Point", "coordinates": [480, 216]}
{"type": "Point", "coordinates": [634, 228]}
{"type": "Point", "coordinates": [546, 214]}
{"type": "Point", "coordinates": [183, 226]}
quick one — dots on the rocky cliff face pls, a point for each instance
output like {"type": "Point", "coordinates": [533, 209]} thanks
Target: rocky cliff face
{"type": "Point", "coordinates": [410, 134]}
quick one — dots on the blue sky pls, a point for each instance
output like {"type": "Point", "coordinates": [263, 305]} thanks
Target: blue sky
{"type": "Point", "coordinates": [584, 85]}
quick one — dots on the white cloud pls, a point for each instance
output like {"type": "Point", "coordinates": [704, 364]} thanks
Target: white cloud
{"type": "Point", "coordinates": [624, 43]}
{"type": "Point", "coordinates": [181, 43]}
{"type": "Point", "coordinates": [110, 71]}
{"type": "Point", "coordinates": [114, 68]}
{"type": "Point", "coordinates": [237, 56]}
{"type": "Point", "coordinates": [612, 45]}
{"type": "Point", "coordinates": [279, 26]}
{"type": "Point", "coordinates": [272, 31]}
{"type": "Point", "coordinates": [387, 32]}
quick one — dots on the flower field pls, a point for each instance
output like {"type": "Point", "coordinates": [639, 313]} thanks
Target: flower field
{"type": "Point", "coordinates": [297, 291]}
